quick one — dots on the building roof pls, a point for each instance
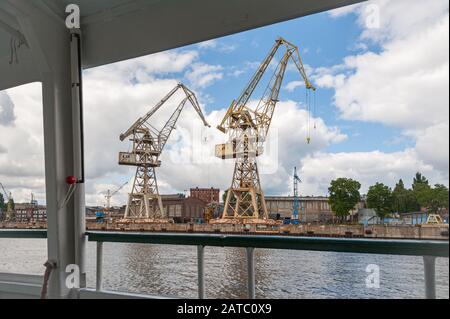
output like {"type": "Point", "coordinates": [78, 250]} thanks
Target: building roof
{"type": "Point", "coordinates": [302, 198]}
{"type": "Point", "coordinates": [173, 196]}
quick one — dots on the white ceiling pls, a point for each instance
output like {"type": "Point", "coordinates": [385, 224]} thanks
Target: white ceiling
{"type": "Point", "coordinates": [115, 30]}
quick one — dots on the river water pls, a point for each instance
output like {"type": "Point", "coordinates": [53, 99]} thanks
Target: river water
{"type": "Point", "coordinates": [172, 271]}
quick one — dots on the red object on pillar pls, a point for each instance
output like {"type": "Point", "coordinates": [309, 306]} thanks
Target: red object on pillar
{"type": "Point", "coordinates": [71, 180]}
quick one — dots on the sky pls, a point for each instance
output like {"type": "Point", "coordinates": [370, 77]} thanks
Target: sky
{"type": "Point", "coordinates": [381, 72]}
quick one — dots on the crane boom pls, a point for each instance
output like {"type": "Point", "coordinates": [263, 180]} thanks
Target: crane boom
{"type": "Point", "coordinates": [266, 106]}
{"type": "Point", "coordinates": [109, 194]}
{"type": "Point", "coordinates": [9, 202]}
{"type": "Point", "coordinates": [7, 194]}
{"type": "Point", "coordinates": [118, 189]}
{"type": "Point", "coordinates": [237, 106]}
{"type": "Point", "coordinates": [142, 120]}
{"type": "Point", "coordinates": [165, 132]}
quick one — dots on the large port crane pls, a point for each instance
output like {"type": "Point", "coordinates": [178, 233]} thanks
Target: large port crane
{"type": "Point", "coordinates": [296, 204]}
{"type": "Point", "coordinates": [144, 200]}
{"type": "Point", "coordinates": [248, 127]}
{"type": "Point", "coordinates": [9, 203]}
{"type": "Point", "coordinates": [110, 194]}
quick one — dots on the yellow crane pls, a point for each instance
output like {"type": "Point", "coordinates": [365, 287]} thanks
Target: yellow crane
{"type": "Point", "coordinates": [144, 200]}
{"type": "Point", "coordinates": [9, 203]}
{"type": "Point", "coordinates": [248, 126]}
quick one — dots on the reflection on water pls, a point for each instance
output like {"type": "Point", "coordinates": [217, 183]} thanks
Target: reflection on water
{"type": "Point", "coordinates": [172, 271]}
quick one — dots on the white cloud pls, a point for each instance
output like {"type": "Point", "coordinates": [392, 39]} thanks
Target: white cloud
{"type": "Point", "coordinates": [405, 84]}
{"type": "Point", "coordinates": [236, 72]}
{"type": "Point", "coordinates": [401, 17]}
{"type": "Point", "coordinates": [217, 45]}
{"type": "Point", "coordinates": [433, 147]}
{"type": "Point", "coordinates": [22, 162]}
{"type": "Point", "coordinates": [7, 116]}
{"type": "Point", "coordinates": [160, 63]}
{"type": "Point", "coordinates": [343, 11]}
{"type": "Point", "coordinates": [291, 86]}
{"type": "Point", "coordinates": [209, 44]}
{"type": "Point", "coordinates": [202, 75]}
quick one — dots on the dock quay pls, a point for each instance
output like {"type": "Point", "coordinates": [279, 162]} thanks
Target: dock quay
{"type": "Point", "coordinates": [425, 232]}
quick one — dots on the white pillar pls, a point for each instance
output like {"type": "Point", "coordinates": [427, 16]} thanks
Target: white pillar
{"type": "Point", "coordinates": [49, 42]}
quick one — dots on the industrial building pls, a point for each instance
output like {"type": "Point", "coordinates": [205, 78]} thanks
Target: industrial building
{"type": "Point", "coordinates": [30, 212]}
{"type": "Point", "coordinates": [183, 209]}
{"type": "Point", "coordinates": [208, 195]}
{"type": "Point", "coordinates": [313, 209]}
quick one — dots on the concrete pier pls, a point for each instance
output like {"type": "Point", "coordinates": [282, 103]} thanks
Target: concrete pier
{"type": "Point", "coordinates": [428, 232]}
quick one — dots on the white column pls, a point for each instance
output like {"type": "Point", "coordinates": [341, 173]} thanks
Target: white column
{"type": "Point", "coordinates": [49, 42]}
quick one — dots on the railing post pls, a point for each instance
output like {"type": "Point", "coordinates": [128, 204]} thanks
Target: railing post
{"type": "Point", "coordinates": [429, 265]}
{"type": "Point", "coordinates": [250, 273]}
{"type": "Point", "coordinates": [201, 271]}
{"type": "Point", "coordinates": [99, 266]}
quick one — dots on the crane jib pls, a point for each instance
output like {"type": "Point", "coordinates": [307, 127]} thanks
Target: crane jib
{"type": "Point", "coordinates": [237, 106]}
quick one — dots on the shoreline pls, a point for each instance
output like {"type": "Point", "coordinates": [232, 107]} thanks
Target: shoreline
{"type": "Point", "coordinates": [406, 232]}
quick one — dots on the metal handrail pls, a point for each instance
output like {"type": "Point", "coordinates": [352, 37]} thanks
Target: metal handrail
{"type": "Point", "coordinates": [428, 249]}
{"type": "Point", "coordinates": [23, 233]}
{"type": "Point", "coordinates": [364, 246]}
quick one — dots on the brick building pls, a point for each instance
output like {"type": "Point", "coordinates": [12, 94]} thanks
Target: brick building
{"type": "Point", "coordinates": [208, 195]}
{"type": "Point", "coordinates": [183, 209]}
{"type": "Point", "coordinates": [312, 209]}
{"type": "Point", "coordinates": [30, 212]}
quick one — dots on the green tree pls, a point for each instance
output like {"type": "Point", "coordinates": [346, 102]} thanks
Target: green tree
{"type": "Point", "coordinates": [438, 198]}
{"type": "Point", "coordinates": [404, 200]}
{"type": "Point", "coordinates": [419, 179]}
{"type": "Point", "coordinates": [11, 205]}
{"type": "Point", "coordinates": [343, 196]}
{"type": "Point", "coordinates": [423, 194]}
{"type": "Point", "coordinates": [2, 202]}
{"type": "Point", "coordinates": [422, 190]}
{"type": "Point", "coordinates": [232, 198]}
{"type": "Point", "coordinates": [379, 198]}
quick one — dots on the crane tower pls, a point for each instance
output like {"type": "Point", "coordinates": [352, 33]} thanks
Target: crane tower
{"type": "Point", "coordinates": [296, 205]}
{"type": "Point", "coordinates": [144, 200]}
{"type": "Point", "coordinates": [248, 127]}
{"type": "Point", "coordinates": [9, 203]}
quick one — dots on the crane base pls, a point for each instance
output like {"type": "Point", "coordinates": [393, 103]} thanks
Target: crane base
{"type": "Point", "coordinates": [237, 221]}
{"type": "Point", "coordinates": [145, 221]}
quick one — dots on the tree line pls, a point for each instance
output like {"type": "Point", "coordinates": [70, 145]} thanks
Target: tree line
{"type": "Point", "coordinates": [344, 195]}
